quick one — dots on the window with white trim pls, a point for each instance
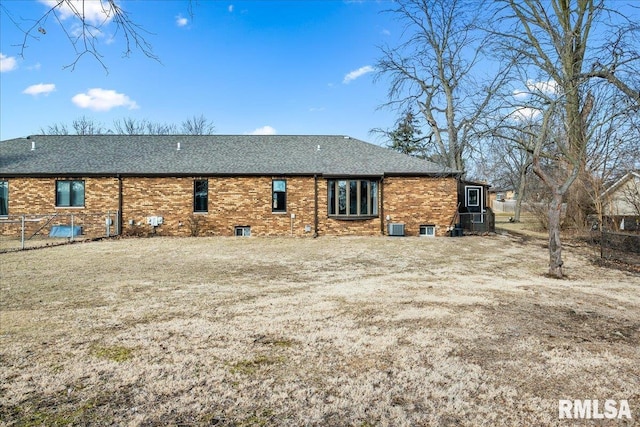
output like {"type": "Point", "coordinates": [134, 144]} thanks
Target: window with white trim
{"type": "Point", "coordinates": [242, 231]}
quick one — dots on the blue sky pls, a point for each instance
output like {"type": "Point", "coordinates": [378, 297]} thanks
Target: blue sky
{"type": "Point", "coordinates": [285, 67]}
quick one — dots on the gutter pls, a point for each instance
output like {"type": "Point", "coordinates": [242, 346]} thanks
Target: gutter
{"type": "Point", "coordinates": [382, 217]}
{"type": "Point", "coordinates": [120, 203]}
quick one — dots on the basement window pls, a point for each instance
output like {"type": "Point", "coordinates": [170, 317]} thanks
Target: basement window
{"type": "Point", "coordinates": [428, 230]}
{"type": "Point", "coordinates": [242, 231]}
{"type": "Point", "coordinates": [69, 194]}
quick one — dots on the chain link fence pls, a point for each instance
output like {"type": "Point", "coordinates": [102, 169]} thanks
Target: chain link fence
{"type": "Point", "coordinates": [18, 232]}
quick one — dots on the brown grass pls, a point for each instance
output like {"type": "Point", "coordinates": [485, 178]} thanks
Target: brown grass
{"type": "Point", "coordinates": [331, 331]}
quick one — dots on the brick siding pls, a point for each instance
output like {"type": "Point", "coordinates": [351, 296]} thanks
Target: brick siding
{"type": "Point", "coordinates": [241, 201]}
{"type": "Point", "coordinates": [420, 201]}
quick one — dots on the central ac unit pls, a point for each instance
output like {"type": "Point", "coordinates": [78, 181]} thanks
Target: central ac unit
{"type": "Point", "coordinates": [395, 229]}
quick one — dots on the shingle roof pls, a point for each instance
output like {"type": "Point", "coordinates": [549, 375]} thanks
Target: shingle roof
{"type": "Point", "coordinates": [205, 155]}
{"type": "Point", "coordinates": [626, 177]}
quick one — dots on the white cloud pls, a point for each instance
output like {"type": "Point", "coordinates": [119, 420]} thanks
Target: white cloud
{"type": "Point", "coordinates": [97, 99]}
{"type": "Point", "coordinates": [181, 21]}
{"type": "Point", "coordinates": [520, 94]}
{"type": "Point", "coordinates": [39, 89]}
{"type": "Point", "coordinates": [357, 73]}
{"type": "Point", "coordinates": [95, 12]}
{"type": "Point", "coordinates": [316, 109]}
{"type": "Point", "coordinates": [7, 63]}
{"type": "Point", "coordinates": [264, 130]}
{"type": "Point", "coordinates": [385, 32]}
{"type": "Point", "coordinates": [525, 114]}
{"type": "Point", "coordinates": [230, 8]}
{"type": "Point", "coordinates": [549, 87]}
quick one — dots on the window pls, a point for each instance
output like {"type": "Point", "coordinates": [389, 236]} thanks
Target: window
{"type": "Point", "coordinates": [473, 197]}
{"type": "Point", "coordinates": [242, 231]}
{"type": "Point", "coordinates": [279, 190]}
{"type": "Point", "coordinates": [201, 195]}
{"type": "Point", "coordinates": [474, 201]}
{"type": "Point", "coordinates": [4, 198]}
{"type": "Point", "coordinates": [427, 230]}
{"type": "Point", "coordinates": [353, 198]}
{"type": "Point", "coordinates": [70, 193]}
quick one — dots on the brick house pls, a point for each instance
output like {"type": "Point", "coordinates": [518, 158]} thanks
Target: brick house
{"type": "Point", "coordinates": [227, 185]}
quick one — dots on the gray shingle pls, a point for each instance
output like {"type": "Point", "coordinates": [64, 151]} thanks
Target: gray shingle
{"type": "Point", "coordinates": [206, 155]}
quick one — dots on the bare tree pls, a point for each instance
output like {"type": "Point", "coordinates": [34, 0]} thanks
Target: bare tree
{"type": "Point", "coordinates": [84, 23]}
{"type": "Point", "coordinates": [437, 71]}
{"type": "Point", "coordinates": [551, 40]}
{"type": "Point", "coordinates": [197, 125]}
{"type": "Point", "coordinates": [511, 163]}
{"type": "Point", "coordinates": [131, 126]}
{"type": "Point", "coordinates": [611, 148]}
{"type": "Point", "coordinates": [55, 129]}
{"type": "Point", "coordinates": [80, 126]}
{"type": "Point", "coordinates": [87, 126]}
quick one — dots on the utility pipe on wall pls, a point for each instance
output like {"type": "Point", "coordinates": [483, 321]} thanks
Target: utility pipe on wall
{"type": "Point", "coordinates": [315, 206]}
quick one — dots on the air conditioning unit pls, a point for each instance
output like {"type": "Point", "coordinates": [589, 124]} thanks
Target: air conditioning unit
{"type": "Point", "coordinates": [395, 229]}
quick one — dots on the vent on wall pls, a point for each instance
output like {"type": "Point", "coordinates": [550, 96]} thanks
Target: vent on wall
{"type": "Point", "coordinates": [395, 229]}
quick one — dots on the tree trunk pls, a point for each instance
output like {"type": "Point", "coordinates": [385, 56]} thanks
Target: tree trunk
{"type": "Point", "coordinates": [522, 184]}
{"type": "Point", "coordinates": [555, 246]}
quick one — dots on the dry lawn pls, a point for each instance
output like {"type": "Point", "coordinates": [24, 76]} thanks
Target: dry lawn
{"type": "Point", "coordinates": [293, 332]}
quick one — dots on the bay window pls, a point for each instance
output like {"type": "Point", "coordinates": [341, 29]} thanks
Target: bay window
{"type": "Point", "coordinates": [353, 197]}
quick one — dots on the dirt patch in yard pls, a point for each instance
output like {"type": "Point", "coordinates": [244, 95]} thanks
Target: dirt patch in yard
{"type": "Point", "coordinates": [328, 331]}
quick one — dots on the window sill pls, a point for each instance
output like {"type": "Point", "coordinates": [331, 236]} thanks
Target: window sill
{"type": "Point", "coordinates": [279, 213]}
{"type": "Point", "coordinates": [353, 218]}
{"type": "Point", "coordinates": [201, 213]}
{"type": "Point", "coordinates": [70, 207]}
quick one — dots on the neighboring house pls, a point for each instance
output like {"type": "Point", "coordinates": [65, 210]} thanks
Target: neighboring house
{"type": "Point", "coordinates": [621, 202]}
{"type": "Point", "coordinates": [502, 199]}
{"type": "Point", "coordinates": [229, 184]}
{"type": "Point", "coordinates": [500, 195]}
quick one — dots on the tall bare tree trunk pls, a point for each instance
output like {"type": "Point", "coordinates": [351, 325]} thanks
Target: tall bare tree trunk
{"type": "Point", "coordinates": [555, 245]}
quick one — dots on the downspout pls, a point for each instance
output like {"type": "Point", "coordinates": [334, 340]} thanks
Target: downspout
{"type": "Point", "coordinates": [382, 220]}
{"type": "Point", "coordinates": [315, 206]}
{"type": "Point", "coordinates": [119, 204]}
